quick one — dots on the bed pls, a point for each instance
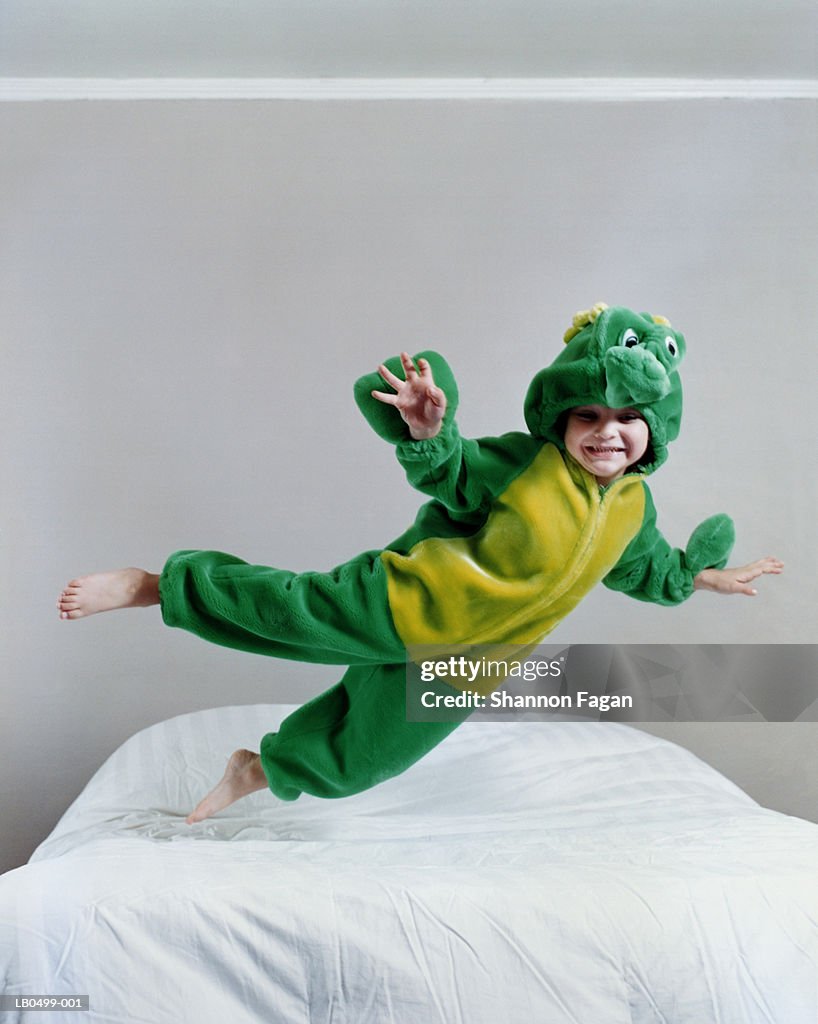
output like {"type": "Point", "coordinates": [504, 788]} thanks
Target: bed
{"type": "Point", "coordinates": [568, 872]}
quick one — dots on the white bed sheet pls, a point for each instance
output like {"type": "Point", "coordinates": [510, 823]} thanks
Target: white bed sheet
{"type": "Point", "coordinates": [563, 873]}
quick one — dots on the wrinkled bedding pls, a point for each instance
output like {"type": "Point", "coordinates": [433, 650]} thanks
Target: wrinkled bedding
{"type": "Point", "coordinates": [565, 872]}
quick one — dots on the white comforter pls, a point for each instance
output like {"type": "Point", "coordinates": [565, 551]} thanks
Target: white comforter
{"type": "Point", "coordinates": [523, 872]}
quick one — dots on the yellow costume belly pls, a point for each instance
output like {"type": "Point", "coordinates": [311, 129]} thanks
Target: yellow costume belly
{"type": "Point", "coordinates": [548, 540]}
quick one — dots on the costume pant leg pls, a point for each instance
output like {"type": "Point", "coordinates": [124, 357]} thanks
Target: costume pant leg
{"type": "Point", "coordinates": [354, 735]}
{"type": "Point", "coordinates": [339, 617]}
{"type": "Point", "coordinates": [350, 738]}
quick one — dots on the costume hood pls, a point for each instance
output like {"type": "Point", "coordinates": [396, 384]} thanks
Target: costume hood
{"type": "Point", "coordinates": [620, 359]}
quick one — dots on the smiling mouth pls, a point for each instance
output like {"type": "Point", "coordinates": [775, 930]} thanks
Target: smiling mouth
{"type": "Point", "coordinates": [606, 450]}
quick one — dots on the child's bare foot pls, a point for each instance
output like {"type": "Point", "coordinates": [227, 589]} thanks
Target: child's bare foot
{"type": "Point", "coordinates": [243, 776]}
{"type": "Point", "coordinates": [104, 591]}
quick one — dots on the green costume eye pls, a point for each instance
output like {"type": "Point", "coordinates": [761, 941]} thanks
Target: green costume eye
{"type": "Point", "coordinates": [670, 343]}
{"type": "Point", "coordinates": [629, 338]}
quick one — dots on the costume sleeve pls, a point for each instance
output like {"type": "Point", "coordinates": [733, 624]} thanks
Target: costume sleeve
{"type": "Point", "coordinates": [651, 570]}
{"type": "Point", "coordinates": [464, 475]}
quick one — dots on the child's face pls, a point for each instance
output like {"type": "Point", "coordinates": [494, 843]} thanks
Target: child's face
{"type": "Point", "coordinates": [606, 441]}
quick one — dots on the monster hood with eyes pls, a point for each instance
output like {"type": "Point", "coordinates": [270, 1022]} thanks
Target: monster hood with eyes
{"type": "Point", "coordinates": [618, 358]}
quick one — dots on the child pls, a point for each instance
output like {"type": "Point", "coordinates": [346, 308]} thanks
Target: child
{"type": "Point", "coordinates": [520, 528]}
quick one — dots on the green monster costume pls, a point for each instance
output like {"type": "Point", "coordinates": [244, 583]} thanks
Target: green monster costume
{"type": "Point", "coordinates": [516, 534]}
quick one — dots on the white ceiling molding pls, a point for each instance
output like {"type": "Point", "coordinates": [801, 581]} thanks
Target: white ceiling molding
{"type": "Point", "coordinates": [555, 89]}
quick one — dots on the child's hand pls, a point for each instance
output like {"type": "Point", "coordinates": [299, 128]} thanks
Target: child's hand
{"type": "Point", "coordinates": [419, 401]}
{"type": "Point", "coordinates": [737, 581]}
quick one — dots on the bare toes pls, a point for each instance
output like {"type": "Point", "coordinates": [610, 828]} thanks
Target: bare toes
{"type": "Point", "coordinates": [243, 775]}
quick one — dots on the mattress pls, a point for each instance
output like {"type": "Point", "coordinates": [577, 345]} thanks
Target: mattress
{"type": "Point", "coordinates": [566, 872]}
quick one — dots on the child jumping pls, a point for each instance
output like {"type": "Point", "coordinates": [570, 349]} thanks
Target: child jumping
{"type": "Point", "coordinates": [519, 529]}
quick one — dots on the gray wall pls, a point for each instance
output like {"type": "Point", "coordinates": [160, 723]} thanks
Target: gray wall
{"type": "Point", "coordinates": [189, 290]}
{"type": "Point", "coordinates": [408, 38]}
